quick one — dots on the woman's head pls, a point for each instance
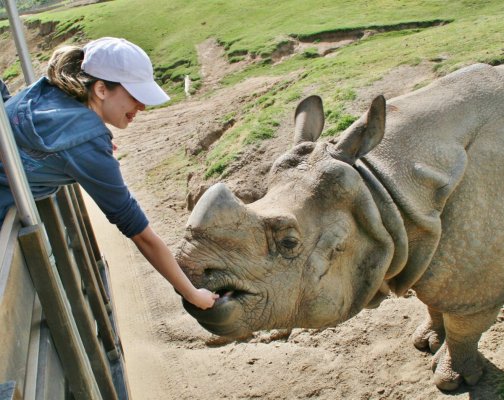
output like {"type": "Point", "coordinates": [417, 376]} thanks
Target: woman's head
{"type": "Point", "coordinates": [104, 72]}
{"type": "Point", "coordinates": [64, 71]}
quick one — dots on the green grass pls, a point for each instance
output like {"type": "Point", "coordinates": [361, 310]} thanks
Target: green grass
{"type": "Point", "coordinates": [218, 167]}
{"type": "Point", "coordinates": [170, 31]}
{"type": "Point", "coordinates": [11, 72]}
{"type": "Point", "coordinates": [337, 121]}
{"type": "Point", "coordinates": [262, 129]}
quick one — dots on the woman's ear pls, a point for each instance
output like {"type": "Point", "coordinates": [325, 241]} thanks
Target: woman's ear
{"type": "Point", "coordinates": [99, 90]}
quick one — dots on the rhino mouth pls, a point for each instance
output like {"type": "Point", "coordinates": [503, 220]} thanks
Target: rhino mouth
{"type": "Point", "coordinates": [227, 294]}
{"type": "Point", "coordinates": [223, 318]}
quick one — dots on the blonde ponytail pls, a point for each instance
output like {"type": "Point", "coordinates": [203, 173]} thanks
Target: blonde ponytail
{"type": "Point", "coordinates": [64, 71]}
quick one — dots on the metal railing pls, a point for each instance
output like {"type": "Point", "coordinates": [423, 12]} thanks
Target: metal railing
{"type": "Point", "coordinates": [69, 277]}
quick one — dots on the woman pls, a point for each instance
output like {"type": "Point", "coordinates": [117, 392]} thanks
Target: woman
{"type": "Point", "coordinates": [59, 126]}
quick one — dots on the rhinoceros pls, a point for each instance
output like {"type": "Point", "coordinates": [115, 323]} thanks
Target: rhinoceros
{"type": "Point", "coordinates": [408, 197]}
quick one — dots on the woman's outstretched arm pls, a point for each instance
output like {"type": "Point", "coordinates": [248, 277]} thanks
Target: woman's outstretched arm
{"type": "Point", "coordinates": [159, 255]}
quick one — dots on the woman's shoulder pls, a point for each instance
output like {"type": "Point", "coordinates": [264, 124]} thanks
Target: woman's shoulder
{"type": "Point", "coordinates": [44, 96]}
{"type": "Point", "coordinates": [50, 120]}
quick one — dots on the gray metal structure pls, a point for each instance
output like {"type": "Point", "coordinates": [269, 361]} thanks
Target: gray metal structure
{"type": "Point", "coordinates": [58, 337]}
{"type": "Point", "coordinates": [9, 155]}
{"type": "Point", "coordinates": [8, 150]}
{"type": "Point", "coordinates": [19, 38]}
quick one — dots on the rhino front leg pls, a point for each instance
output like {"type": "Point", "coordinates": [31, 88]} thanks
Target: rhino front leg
{"type": "Point", "coordinates": [458, 359]}
{"type": "Point", "coordinates": [430, 334]}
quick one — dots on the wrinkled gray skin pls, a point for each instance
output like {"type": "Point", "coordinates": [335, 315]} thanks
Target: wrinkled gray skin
{"type": "Point", "coordinates": [416, 205]}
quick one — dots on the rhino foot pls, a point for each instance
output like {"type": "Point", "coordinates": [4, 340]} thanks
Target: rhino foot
{"type": "Point", "coordinates": [450, 372]}
{"type": "Point", "coordinates": [458, 358]}
{"type": "Point", "coordinates": [430, 334]}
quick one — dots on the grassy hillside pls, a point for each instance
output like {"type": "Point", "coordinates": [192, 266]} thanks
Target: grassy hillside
{"type": "Point", "coordinates": [449, 34]}
{"type": "Point", "coordinates": [169, 30]}
{"type": "Point", "coordinates": [452, 34]}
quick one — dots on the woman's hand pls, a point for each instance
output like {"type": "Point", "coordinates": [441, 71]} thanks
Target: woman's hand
{"type": "Point", "coordinates": [202, 298]}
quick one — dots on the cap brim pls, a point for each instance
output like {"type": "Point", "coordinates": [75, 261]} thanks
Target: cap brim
{"type": "Point", "coordinates": [148, 93]}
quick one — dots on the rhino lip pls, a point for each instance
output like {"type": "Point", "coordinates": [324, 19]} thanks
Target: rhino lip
{"type": "Point", "coordinates": [220, 318]}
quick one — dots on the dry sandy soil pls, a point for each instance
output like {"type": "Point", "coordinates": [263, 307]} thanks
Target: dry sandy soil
{"type": "Point", "coordinates": [169, 356]}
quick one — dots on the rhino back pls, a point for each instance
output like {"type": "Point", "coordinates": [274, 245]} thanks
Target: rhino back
{"type": "Point", "coordinates": [430, 160]}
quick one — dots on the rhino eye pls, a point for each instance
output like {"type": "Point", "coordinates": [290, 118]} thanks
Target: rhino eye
{"type": "Point", "coordinates": [289, 243]}
{"type": "Point", "coordinates": [285, 236]}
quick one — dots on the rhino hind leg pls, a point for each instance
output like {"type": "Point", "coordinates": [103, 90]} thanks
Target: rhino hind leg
{"type": "Point", "coordinates": [430, 334]}
{"type": "Point", "coordinates": [458, 358]}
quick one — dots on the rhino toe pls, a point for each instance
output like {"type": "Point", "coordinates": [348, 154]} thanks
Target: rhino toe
{"type": "Point", "coordinates": [447, 382]}
{"type": "Point", "coordinates": [427, 338]}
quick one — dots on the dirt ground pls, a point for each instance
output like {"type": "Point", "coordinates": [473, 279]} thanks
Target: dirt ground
{"type": "Point", "coordinates": [169, 356]}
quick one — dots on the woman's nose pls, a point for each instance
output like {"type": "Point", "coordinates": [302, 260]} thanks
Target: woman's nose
{"type": "Point", "coordinates": [140, 106]}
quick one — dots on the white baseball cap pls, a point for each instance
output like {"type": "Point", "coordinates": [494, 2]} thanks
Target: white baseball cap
{"type": "Point", "coordinates": [117, 60]}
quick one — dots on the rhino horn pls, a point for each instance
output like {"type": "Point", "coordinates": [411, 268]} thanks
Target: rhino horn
{"type": "Point", "coordinates": [216, 208]}
{"type": "Point", "coordinates": [364, 134]}
{"type": "Point", "coordinates": [309, 120]}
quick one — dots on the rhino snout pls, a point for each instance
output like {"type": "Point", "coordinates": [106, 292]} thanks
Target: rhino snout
{"type": "Point", "coordinates": [224, 317]}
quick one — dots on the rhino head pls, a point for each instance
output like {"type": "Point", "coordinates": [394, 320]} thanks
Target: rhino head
{"type": "Point", "coordinates": [311, 253]}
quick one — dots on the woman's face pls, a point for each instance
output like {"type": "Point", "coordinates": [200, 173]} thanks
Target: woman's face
{"type": "Point", "coordinates": [114, 106]}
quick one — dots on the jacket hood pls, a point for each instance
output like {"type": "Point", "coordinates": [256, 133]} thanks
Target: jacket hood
{"type": "Point", "coordinates": [45, 118]}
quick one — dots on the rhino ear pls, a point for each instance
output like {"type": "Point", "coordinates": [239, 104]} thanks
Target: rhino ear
{"type": "Point", "coordinates": [364, 135]}
{"type": "Point", "coordinates": [309, 120]}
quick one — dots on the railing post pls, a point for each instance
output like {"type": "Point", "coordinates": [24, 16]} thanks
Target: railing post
{"type": "Point", "coordinates": [90, 276]}
{"type": "Point", "coordinates": [93, 243]}
{"type": "Point", "coordinates": [19, 39]}
{"type": "Point", "coordinates": [90, 246]}
{"type": "Point", "coordinates": [60, 320]}
{"type": "Point", "coordinates": [71, 280]}
{"type": "Point", "coordinates": [13, 167]}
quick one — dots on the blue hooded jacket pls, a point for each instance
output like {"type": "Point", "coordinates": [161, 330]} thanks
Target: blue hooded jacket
{"type": "Point", "coordinates": [4, 92]}
{"type": "Point", "coordinates": [61, 141]}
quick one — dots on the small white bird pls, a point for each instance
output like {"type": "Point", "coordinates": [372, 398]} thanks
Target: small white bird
{"type": "Point", "coordinates": [187, 85]}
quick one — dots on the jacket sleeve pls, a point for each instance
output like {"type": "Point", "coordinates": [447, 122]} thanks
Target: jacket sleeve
{"type": "Point", "coordinates": [94, 167]}
{"type": "Point", "coordinates": [4, 91]}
